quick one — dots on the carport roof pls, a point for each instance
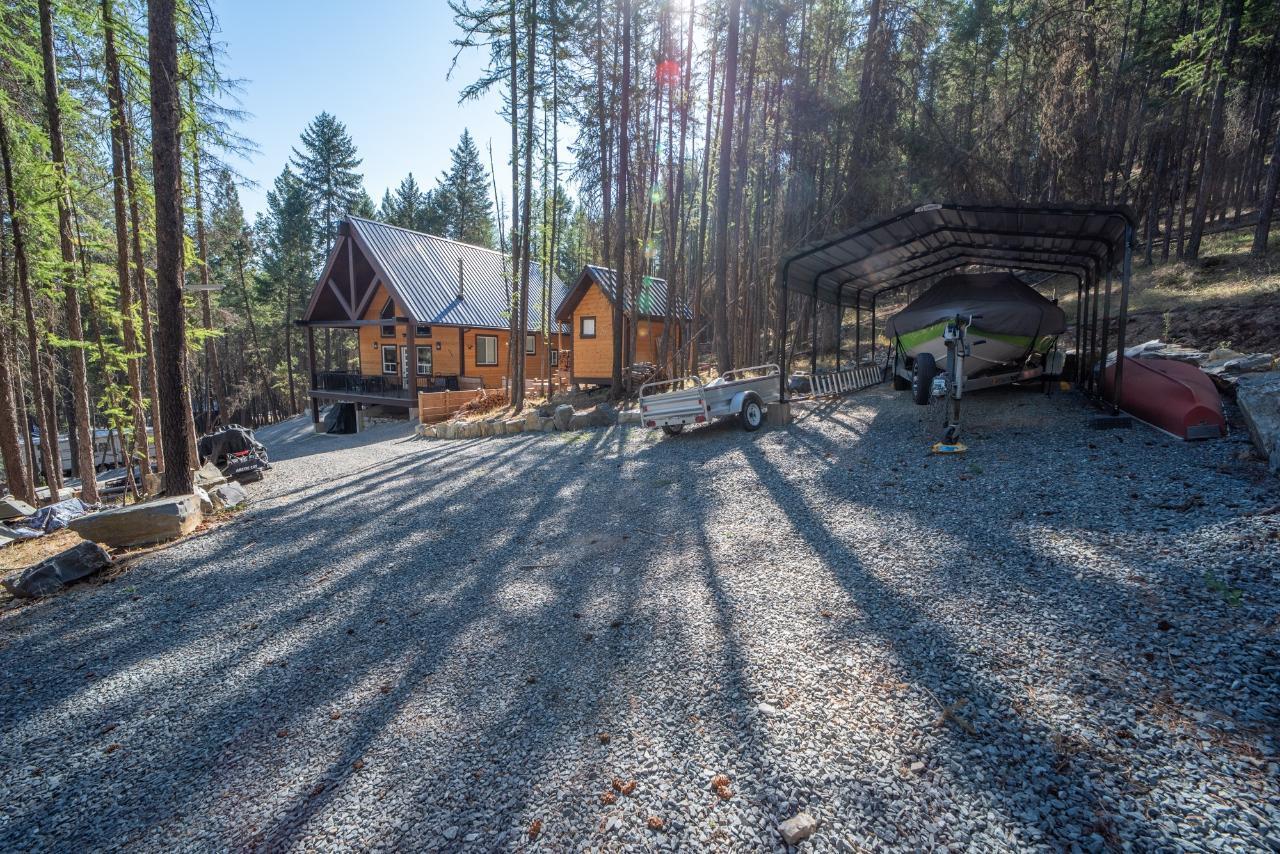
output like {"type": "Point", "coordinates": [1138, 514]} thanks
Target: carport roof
{"type": "Point", "coordinates": [919, 243]}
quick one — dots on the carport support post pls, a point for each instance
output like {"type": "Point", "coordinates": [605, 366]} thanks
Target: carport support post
{"type": "Point", "coordinates": [1122, 319]}
{"type": "Point", "coordinates": [857, 330]}
{"type": "Point", "coordinates": [1106, 327]}
{"type": "Point", "coordinates": [1093, 339]}
{"type": "Point", "coordinates": [784, 297]}
{"type": "Point", "coordinates": [813, 331]}
{"type": "Point", "coordinates": [839, 324]}
{"type": "Point", "coordinates": [874, 297]}
{"type": "Point", "coordinates": [1079, 330]}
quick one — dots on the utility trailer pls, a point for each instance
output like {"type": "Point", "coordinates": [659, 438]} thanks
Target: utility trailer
{"type": "Point", "coordinates": [744, 394]}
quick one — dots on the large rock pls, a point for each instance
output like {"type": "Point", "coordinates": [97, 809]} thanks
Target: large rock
{"type": "Point", "coordinates": [562, 416]}
{"type": "Point", "coordinates": [141, 524]}
{"type": "Point", "coordinates": [513, 425]}
{"type": "Point", "coordinates": [12, 508]}
{"type": "Point", "coordinates": [206, 502]}
{"type": "Point", "coordinates": [1258, 396]}
{"type": "Point", "coordinates": [229, 496]}
{"type": "Point", "coordinates": [54, 573]}
{"type": "Point", "coordinates": [629, 416]}
{"type": "Point", "coordinates": [798, 828]}
{"type": "Point", "coordinates": [209, 475]}
{"type": "Point", "coordinates": [603, 415]}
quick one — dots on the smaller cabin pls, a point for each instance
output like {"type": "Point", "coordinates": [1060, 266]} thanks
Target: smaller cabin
{"type": "Point", "coordinates": [587, 311]}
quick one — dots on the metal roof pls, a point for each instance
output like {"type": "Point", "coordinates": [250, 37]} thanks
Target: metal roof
{"type": "Point", "coordinates": [651, 295]}
{"type": "Point", "coordinates": [422, 271]}
{"type": "Point", "coordinates": [920, 243]}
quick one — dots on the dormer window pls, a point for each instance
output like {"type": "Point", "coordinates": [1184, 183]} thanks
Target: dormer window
{"type": "Point", "coordinates": [389, 313]}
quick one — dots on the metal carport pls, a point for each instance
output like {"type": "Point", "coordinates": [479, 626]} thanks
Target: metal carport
{"type": "Point", "coordinates": [853, 268]}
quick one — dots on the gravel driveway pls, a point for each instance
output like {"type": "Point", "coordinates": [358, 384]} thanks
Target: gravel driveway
{"type": "Point", "coordinates": [419, 645]}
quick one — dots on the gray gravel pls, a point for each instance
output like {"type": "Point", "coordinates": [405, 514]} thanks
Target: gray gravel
{"type": "Point", "coordinates": [423, 645]}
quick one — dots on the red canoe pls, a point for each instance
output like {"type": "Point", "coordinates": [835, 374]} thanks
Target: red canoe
{"type": "Point", "coordinates": [1176, 397]}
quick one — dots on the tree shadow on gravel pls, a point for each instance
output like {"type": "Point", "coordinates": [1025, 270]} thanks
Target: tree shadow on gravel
{"type": "Point", "coordinates": [948, 552]}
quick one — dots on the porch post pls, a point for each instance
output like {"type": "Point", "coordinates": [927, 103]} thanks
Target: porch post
{"type": "Point", "coordinates": [411, 362]}
{"type": "Point", "coordinates": [311, 365]}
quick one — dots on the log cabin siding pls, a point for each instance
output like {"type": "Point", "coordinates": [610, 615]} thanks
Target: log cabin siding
{"type": "Point", "coordinates": [444, 344]}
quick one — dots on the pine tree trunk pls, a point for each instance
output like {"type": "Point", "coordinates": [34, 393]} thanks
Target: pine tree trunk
{"type": "Point", "coordinates": [1262, 231]}
{"type": "Point", "coordinates": [522, 322]}
{"type": "Point", "coordinates": [212, 371]}
{"type": "Point", "coordinates": [166, 144]}
{"type": "Point", "coordinates": [18, 476]}
{"type": "Point", "coordinates": [723, 342]}
{"type": "Point", "coordinates": [1213, 145]}
{"type": "Point", "coordinates": [81, 405]}
{"type": "Point", "coordinates": [616, 390]}
{"type": "Point", "coordinates": [115, 99]}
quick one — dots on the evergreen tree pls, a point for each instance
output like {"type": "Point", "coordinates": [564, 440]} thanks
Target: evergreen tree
{"type": "Point", "coordinates": [463, 195]}
{"type": "Point", "coordinates": [326, 166]}
{"type": "Point", "coordinates": [407, 206]}
{"type": "Point", "coordinates": [289, 259]}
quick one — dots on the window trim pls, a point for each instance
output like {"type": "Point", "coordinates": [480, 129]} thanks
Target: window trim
{"type": "Point", "coordinates": [388, 329]}
{"type": "Point", "coordinates": [531, 343]}
{"type": "Point", "coordinates": [494, 363]}
{"type": "Point", "coordinates": [555, 357]}
{"type": "Point", "coordinates": [422, 330]}
{"type": "Point", "coordinates": [395, 362]}
{"type": "Point", "coordinates": [417, 360]}
{"type": "Point", "coordinates": [582, 326]}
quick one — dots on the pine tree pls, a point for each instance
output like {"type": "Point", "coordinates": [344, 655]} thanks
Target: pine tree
{"type": "Point", "coordinates": [463, 195]}
{"type": "Point", "coordinates": [407, 206]}
{"type": "Point", "coordinates": [327, 165]}
{"type": "Point", "coordinates": [289, 259]}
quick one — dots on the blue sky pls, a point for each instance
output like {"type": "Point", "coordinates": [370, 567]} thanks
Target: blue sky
{"type": "Point", "coordinates": [380, 66]}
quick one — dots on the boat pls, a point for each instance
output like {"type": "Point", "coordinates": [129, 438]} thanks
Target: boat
{"type": "Point", "coordinates": [1010, 326]}
{"type": "Point", "coordinates": [1172, 396]}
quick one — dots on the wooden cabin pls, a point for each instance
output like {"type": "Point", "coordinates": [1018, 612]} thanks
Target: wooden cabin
{"type": "Point", "coordinates": [587, 310]}
{"type": "Point", "coordinates": [430, 314]}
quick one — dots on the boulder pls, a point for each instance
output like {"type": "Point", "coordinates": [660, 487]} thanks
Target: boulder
{"type": "Point", "coordinates": [209, 475]}
{"type": "Point", "coordinates": [206, 503]}
{"type": "Point", "coordinates": [533, 420]}
{"type": "Point", "coordinates": [603, 415]}
{"type": "Point", "coordinates": [54, 573]}
{"type": "Point", "coordinates": [141, 524]}
{"type": "Point", "coordinates": [798, 828]}
{"type": "Point", "coordinates": [629, 416]}
{"type": "Point", "coordinates": [229, 496]}
{"type": "Point", "coordinates": [1258, 396]}
{"type": "Point", "coordinates": [513, 425]}
{"type": "Point", "coordinates": [562, 416]}
{"type": "Point", "coordinates": [12, 508]}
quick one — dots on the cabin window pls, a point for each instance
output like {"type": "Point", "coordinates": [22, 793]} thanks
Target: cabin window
{"type": "Point", "coordinates": [424, 331]}
{"type": "Point", "coordinates": [486, 351]}
{"type": "Point", "coordinates": [588, 327]}
{"type": "Point", "coordinates": [555, 358]}
{"type": "Point", "coordinates": [390, 359]}
{"type": "Point", "coordinates": [424, 361]}
{"type": "Point", "coordinates": [388, 313]}
{"type": "Point", "coordinates": [530, 344]}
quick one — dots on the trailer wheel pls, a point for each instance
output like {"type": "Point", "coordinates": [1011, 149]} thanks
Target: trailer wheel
{"type": "Point", "coordinates": [673, 429]}
{"type": "Point", "coordinates": [752, 414]}
{"type": "Point", "coordinates": [926, 368]}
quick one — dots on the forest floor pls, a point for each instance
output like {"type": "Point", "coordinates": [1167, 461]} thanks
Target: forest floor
{"type": "Point", "coordinates": [1064, 638]}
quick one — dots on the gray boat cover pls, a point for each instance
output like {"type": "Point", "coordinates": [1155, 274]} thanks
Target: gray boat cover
{"type": "Point", "coordinates": [1006, 305]}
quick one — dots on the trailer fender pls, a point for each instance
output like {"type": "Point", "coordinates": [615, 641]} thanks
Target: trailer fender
{"type": "Point", "coordinates": [735, 405]}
